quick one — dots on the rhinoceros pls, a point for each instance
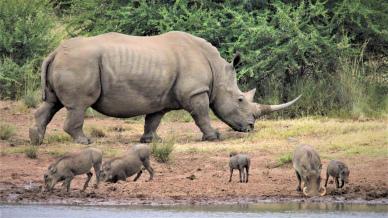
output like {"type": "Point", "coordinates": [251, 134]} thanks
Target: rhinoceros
{"type": "Point", "coordinates": [125, 76]}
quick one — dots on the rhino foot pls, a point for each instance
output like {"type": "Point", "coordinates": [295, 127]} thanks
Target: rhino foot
{"type": "Point", "coordinates": [150, 138]}
{"type": "Point", "coordinates": [36, 138]}
{"type": "Point", "coordinates": [83, 140]}
{"type": "Point", "coordinates": [211, 137]}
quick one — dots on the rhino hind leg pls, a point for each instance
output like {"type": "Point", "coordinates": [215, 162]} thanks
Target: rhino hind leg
{"type": "Point", "coordinates": [151, 124]}
{"type": "Point", "coordinates": [74, 123]}
{"type": "Point", "coordinates": [43, 116]}
{"type": "Point", "coordinates": [199, 110]}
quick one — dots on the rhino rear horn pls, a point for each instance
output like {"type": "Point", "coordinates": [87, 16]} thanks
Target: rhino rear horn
{"type": "Point", "coordinates": [263, 109]}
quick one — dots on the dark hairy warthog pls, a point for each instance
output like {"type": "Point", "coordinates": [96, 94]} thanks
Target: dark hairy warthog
{"type": "Point", "coordinates": [339, 171]}
{"type": "Point", "coordinates": [241, 162]}
{"type": "Point", "coordinates": [70, 165]}
{"type": "Point", "coordinates": [307, 165]}
{"type": "Point", "coordinates": [120, 168]}
{"type": "Point", "coordinates": [126, 76]}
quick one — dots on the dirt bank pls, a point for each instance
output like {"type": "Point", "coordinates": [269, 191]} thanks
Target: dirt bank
{"type": "Point", "coordinates": [196, 174]}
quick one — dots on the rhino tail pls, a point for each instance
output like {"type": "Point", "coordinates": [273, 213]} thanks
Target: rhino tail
{"type": "Point", "coordinates": [45, 67]}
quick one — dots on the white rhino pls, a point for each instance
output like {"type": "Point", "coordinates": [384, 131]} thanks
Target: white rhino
{"type": "Point", "coordinates": [126, 76]}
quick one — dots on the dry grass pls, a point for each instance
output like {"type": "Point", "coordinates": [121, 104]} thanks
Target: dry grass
{"type": "Point", "coordinates": [332, 138]}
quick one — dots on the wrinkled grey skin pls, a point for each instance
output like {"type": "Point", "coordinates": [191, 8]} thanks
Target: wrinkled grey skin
{"type": "Point", "coordinates": [241, 162]}
{"type": "Point", "coordinates": [339, 171]}
{"type": "Point", "coordinates": [307, 165]}
{"type": "Point", "coordinates": [126, 76]}
{"type": "Point", "coordinates": [120, 168]}
{"type": "Point", "coordinates": [68, 166]}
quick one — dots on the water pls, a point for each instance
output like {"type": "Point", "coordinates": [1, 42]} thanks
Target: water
{"type": "Point", "coordinates": [235, 211]}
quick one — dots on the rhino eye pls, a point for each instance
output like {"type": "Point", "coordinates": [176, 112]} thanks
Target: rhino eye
{"type": "Point", "coordinates": [240, 99]}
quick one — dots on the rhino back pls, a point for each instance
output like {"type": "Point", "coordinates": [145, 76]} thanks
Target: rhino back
{"type": "Point", "coordinates": [148, 74]}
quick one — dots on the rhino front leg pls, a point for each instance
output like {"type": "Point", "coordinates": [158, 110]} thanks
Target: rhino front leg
{"type": "Point", "coordinates": [73, 125]}
{"type": "Point", "coordinates": [152, 122]}
{"type": "Point", "coordinates": [199, 110]}
{"type": "Point", "coordinates": [43, 116]}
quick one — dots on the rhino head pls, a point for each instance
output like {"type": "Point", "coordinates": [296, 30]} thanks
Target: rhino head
{"type": "Point", "coordinates": [234, 107]}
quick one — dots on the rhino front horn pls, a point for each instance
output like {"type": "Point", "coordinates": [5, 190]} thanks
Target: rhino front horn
{"type": "Point", "coordinates": [263, 109]}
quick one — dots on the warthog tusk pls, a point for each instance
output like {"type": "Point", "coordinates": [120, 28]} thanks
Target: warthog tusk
{"type": "Point", "coordinates": [324, 191]}
{"type": "Point", "coordinates": [305, 191]}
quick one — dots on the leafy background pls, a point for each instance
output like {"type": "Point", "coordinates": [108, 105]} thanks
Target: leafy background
{"type": "Point", "coordinates": [333, 52]}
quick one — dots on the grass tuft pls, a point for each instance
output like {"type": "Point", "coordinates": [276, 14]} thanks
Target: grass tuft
{"type": "Point", "coordinates": [31, 99]}
{"type": "Point", "coordinates": [31, 152]}
{"type": "Point", "coordinates": [6, 131]}
{"type": "Point", "coordinates": [284, 159]}
{"type": "Point", "coordinates": [96, 132]}
{"type": "Point", "coordinates": [162, 150]}
{"type": "Point", "coordinates": [60, 137]}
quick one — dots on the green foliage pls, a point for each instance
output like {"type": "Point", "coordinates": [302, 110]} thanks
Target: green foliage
{"type": "Point", "coordinates": [26, 36]}
{"type": "Point", "coordinates": [284, 159]}
{"type": "Point", "coordinates": [288, 47]}
{"type": "Point", "coordinates": [31, 98]}
{"type": "Point", "coordinates": [162, 150]}
{"type": "Point", "coordinates": [6, 131]}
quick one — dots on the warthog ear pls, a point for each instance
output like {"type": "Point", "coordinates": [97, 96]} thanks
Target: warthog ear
{"type": "Point", "coordinates": [236, 59]}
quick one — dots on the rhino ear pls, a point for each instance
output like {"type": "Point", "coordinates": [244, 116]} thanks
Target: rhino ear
{"type": "Point", "coordinates": [250, 95]}
{"type": "Point", "coordinates": [236, 59]}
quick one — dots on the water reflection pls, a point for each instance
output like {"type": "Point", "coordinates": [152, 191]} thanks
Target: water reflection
{"type": "Point", "coordinates": [248, 210]}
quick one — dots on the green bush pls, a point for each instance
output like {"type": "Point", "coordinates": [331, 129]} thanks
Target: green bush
{"type": "Point", "coordinates": [26, 36]}
{"type": "Point", "coordinates": [162, 150]}
{"type": "Point", "coordinates": [6, 131]}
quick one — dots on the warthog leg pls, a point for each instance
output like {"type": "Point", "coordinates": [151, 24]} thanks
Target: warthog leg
{"type": "Point", "coordinates": [138, 175]}
{"type": "Point", "coordinates": [298, 188]}
{"type": "Point", "coordinates": [231, 174]}
{"type": "Point", "coordinates": [97, 169]}
{"type": "Point", "coordinates": [89, 174]}
{"type": "Point", "coordinates": [247, 174]}
{"type": "Point", "coordinates": [147, 166]}
{"type": "Point", "coordinates": [327, 178]}
{"type": "Point", "coordinates": [336, 182]}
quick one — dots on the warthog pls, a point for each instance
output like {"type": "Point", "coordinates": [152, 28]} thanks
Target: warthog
{"type": "Point", "coordinates": [339, 171]}
{"type": "Point", "coordinates": [148, 76]}
{"type": "Point", "coordinates": [241, 162]}
{"type": "Point", "coordinates": [307, 165]}
{"type": "Point", "coordinates": [70, 165]}
{"type": "Point", "coordinates": [120, 168]}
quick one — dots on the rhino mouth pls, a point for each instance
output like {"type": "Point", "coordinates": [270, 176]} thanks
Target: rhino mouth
{"type": "Point", "coordinates": [241, 128]}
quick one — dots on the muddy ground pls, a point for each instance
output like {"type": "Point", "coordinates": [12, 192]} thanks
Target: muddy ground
{"type": "Point", "coordinates": [193, 176]}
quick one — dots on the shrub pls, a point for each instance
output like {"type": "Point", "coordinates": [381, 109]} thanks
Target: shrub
{"type": "Point", "coordinates": [6, 131]}
{"type": "Point", "coordinates": [31, 152]}
{"type": "Point", "coordinates": [31, 99]}
{"type": "Point", "coordinates": [26, 36]}
{"type": "Point", "coordinates": [96, 132]}
{"type": "Point", "coordinates": [162, 150]}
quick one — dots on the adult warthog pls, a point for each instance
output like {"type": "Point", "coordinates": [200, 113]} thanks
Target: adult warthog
{"type": "Point", "coordinates": [126, 76]}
